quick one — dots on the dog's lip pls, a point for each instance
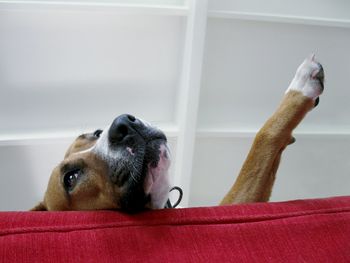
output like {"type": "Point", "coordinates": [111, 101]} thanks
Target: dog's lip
{"type": "Point", "coordinates": [160, 136]}
{"type": "Point", "coordinates": [156, 181]}
{"type": "Point", "coordinates": [152, 134]}
{"type": "Point", "coordinates": [162, 140]}
{"type": "Point", "coordinates": [147, 131]}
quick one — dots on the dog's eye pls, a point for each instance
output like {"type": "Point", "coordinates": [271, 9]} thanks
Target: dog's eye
{"type": "Point", "coordinates": [97, 133]}
{"type": "Point", "coordinates": [71, 178]}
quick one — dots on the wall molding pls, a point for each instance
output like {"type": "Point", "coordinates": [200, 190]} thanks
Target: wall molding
{"type": "Point", "coordinates": [128, 9]}
{"type": "Point", "coordinates": [279, 18]}
{"type": "Point", "coordinates": [250, 133]}
{"type": "Point", "coordinates": [43, 137]}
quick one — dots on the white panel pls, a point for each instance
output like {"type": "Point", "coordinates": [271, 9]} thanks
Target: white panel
{"type": "Point", "coordinates": [216, 164]}
{"type": "Point", "coordinates": [248, 66]}
{"type": "Point", "coordinates": [25, 169]}
{"type": "Point", "coordinates": [72, 69]}
{"type": "Point", "coordinates": [326, 9]}
{"type": "Point", "coordinates": [315, 166]}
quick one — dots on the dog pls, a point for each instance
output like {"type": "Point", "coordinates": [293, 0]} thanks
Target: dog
{"type": "Point", "coordinates": [125, 167]}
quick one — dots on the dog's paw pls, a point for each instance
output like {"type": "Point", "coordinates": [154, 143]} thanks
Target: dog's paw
{"type": "Point", "coordinates": [309, 79]}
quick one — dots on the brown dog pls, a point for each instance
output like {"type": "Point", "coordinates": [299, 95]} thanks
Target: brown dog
{"type": "Point", "coordinates": [125, 166]}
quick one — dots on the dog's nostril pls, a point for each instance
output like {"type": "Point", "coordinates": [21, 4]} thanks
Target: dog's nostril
{"type": "Point", "coordinates": [122, 131]}
{"type": "Point", "coordinates": [131, 118]}
{"type": "Point", "coordinates": [118, 132]}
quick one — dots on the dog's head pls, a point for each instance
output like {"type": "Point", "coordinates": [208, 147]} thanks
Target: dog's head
{"type": "Point", "coordinates": [123, 167]}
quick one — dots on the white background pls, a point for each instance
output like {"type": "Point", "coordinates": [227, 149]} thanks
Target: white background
{"type": "Point", "coordinates": [208, 73]}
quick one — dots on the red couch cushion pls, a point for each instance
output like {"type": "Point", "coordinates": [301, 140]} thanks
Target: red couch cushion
{"type": "Point", "coordinates": [295, 231]}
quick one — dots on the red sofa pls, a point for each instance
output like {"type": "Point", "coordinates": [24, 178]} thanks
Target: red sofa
{"type": "Point", "coordinates": [296, 231]}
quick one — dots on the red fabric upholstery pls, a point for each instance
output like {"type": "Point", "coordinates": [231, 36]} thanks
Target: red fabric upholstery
{"type": "Point", "coordinates": [295, 231]}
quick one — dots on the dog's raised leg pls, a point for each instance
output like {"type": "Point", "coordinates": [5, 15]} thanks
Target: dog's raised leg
{"type": "Point", "coordinates": [257, 175]}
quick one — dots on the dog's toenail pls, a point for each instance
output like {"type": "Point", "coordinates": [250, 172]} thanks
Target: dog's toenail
{"type": "Point", "coordinates": [317, 101]}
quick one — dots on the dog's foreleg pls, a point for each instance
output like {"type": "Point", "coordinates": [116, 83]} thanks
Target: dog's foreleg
{"type": "Point", "coordinates": [257, 175]}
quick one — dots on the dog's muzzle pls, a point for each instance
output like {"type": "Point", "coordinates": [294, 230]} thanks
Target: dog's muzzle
{"type": "Point", "coordinates": [138, 159]}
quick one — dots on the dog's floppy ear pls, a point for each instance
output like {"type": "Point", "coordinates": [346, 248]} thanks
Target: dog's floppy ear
{"type": "Point", "coordinates": [39, 207]}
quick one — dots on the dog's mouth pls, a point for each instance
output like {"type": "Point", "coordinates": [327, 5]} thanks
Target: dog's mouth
{"type": "Point", "coordinates": [138, 159]}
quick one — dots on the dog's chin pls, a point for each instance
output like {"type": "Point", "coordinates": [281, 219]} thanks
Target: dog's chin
{"type": "Point", "coordinates": [156, 182]}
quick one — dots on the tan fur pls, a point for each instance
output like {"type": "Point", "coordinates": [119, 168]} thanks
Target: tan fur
{"type": "Point", "coordinates": [83, 142]}
{"type": "Point", "coordinates": [257, 175]}
{"type": "Point", "coordinates": [254, 183]}
{"type": "Point", "coordinates": [94, 192]}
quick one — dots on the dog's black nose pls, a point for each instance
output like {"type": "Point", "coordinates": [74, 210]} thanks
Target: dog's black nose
{"type": "Point", "coordinates": [121, 127]}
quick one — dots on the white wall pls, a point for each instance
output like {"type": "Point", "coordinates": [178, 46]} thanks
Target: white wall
{"type": "Point", "coordinates": [208, 74]}
{"type": "Point", "coordinates": [68, 69]}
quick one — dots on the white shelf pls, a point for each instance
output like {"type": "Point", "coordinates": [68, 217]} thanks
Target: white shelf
{"type": "Point", "coordinates": [304, 20]}
{"type": "Point", "coordinates": [118, 8]}
{"type": "Point", "coordinates": [250, 133]}
{"type": "Point", "coordinates": [44, 137]}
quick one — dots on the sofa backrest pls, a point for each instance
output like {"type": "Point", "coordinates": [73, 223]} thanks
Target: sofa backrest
{"type": "Point", "coordinates": [296, 231]}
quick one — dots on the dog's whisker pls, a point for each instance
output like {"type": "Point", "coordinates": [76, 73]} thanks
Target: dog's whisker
{"type": "Point", "coordinates": [133, 177]}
